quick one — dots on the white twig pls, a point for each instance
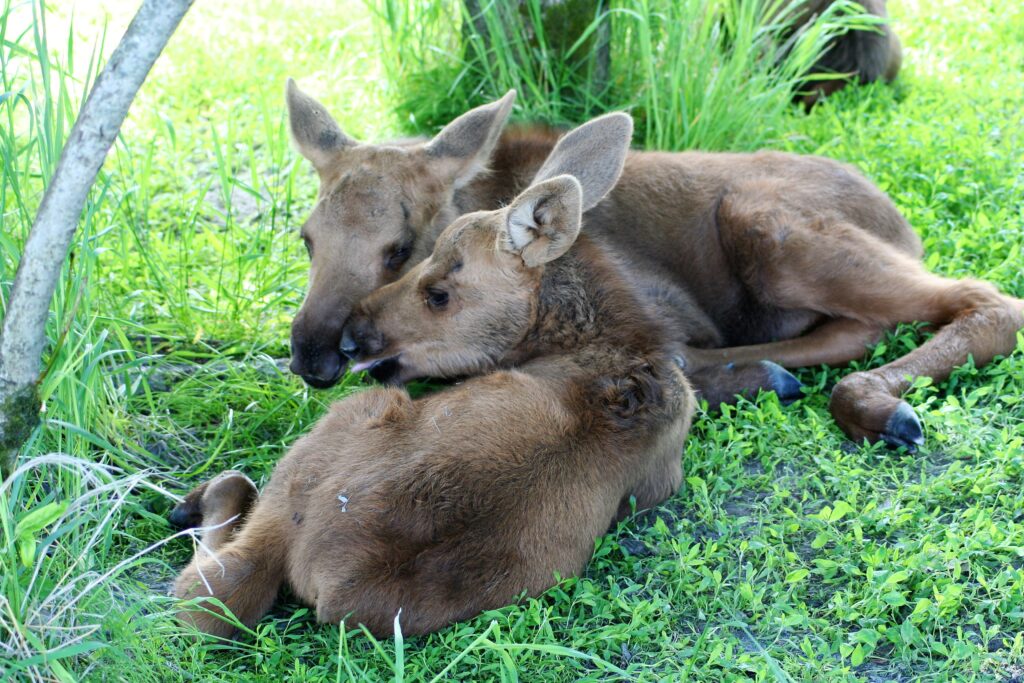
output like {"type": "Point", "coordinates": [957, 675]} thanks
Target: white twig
{"type": "Point", "coordinates": [24, 330]}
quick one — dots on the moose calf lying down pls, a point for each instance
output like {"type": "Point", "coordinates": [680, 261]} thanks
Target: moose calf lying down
{"type": "Point", "coordinates": [793, 259]}
{"type": "Point", "coordinates": [461, 500]}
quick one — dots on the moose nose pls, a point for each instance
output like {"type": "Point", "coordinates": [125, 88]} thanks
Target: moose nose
{"type": "Point", "coordinates": [316, 358]}
{"type": "Point", "coordinates": [324, 372]}
{"type": "Point", "coordinates": [349, 347]}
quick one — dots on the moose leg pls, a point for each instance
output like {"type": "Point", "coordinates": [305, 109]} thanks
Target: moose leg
{"type": "Point", "coordinates": [663, 479]}
{"type": "Point", "coordinates": [723, 383]}
{"type": "Point", "coordinates": [660, 470]}
{"type": "Point", "coordinates": [834, 342]}
{"type": "Point", "coordinates": [719, 375]}
{"type": "Point", "coordinates": [239, 565]}
{"type": "Point", "coordinates": [978, 322]}
{"type": "Point", "coordinates": [843, 272]}
{"type": "Point", "coordinates": [220, 503]}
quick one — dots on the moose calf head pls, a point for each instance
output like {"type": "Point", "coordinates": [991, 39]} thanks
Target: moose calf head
{"type": "Point", "coordinates": [377, 211]}
{"type": "Point", "coordinates": [475, 298]}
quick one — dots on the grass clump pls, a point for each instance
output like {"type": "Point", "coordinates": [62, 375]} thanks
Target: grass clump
{"type": "Point", "coordinates": [789, 554]}
{"type": "Point", "coordinates": [679, 67]}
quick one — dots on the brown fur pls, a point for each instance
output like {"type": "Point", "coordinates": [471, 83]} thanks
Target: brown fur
{"type": "Point", "coordinates": [766, 256]}
{"type": "Point", "coordinates": [457, 502]}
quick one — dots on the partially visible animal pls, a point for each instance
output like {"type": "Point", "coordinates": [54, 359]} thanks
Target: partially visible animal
{"type": "Point", "coordinates": [860, 56]}
{"type": "Point", "coordinates": [793, 259]}
{"type": "Point", "coordinates": [431, 510]}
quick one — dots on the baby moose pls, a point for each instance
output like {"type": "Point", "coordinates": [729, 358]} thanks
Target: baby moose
{"type": "Point", "coordinates": [464, 499]}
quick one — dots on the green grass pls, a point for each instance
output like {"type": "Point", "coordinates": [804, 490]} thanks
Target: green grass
{"type": "Point", "coordinates": [677, 65]}
{"type": "Point", "coordinates": [789, 554]}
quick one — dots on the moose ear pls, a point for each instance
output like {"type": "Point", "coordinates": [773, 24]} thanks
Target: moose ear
{"type": "Point", "coordinates": [464, 146]}
{"type": "Point", "coordinates": [544, 221]}
{"type": "Point", "coordinates": [593, 154]}
{"type": "Point", "coordinates": [316, 134]}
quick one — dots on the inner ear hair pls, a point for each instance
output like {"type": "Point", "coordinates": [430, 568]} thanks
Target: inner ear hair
{"type": "Point", "coordinates": [544, 221]}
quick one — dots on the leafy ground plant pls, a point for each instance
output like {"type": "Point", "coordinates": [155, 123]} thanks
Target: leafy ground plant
{"type": "Point", "coordinates": [789, 554]}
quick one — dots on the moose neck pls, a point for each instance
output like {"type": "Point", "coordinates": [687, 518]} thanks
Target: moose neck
{"type": "Point", "coordinates": [586, 303]}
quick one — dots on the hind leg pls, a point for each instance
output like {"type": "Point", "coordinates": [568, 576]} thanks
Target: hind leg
{"type": "Point", "coordinates": [841, 271]}
{"type": "Point", "coordinates": [977, 322]}
{"type": "Point", "coordinates": [659, 483]}
{"type": "Point", "coordinates": [660, 469]}
{"type": "Point", "coordinates": [834, 342]}
{"type": "Point", "coordinates": [239, 565]}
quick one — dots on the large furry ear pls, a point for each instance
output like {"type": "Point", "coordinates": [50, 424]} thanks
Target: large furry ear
{"type": "Point", "coordinates": [593, 154]}
{"type": "Point", "coordinates": [465, 145]}
{"type": "Point", "coordinates": [544, 221]}
{"type": "Point", "coordinates": [316, 134]}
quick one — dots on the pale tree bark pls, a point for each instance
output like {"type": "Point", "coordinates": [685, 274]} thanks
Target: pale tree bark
{"type": "Point", "coordinates": [24, 328]}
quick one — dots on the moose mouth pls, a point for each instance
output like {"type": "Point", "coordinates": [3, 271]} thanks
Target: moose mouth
{"type": "Point", "coordinates": [319, 383]}
{"type": "Point", "coordinates": [384, 370]}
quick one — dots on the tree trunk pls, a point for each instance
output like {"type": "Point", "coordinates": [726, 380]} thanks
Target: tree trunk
{"type": "Point", "coordinates": [23, 336]}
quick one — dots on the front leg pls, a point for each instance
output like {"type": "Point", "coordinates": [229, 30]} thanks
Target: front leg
{"type": "Point", "coordinates": [220, 505]}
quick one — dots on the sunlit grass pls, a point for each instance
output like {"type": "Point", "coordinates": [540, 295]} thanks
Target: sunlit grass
{"type": "Point", "coordinates": [788, 554]}
{"type": "Point", "coordinates": [679, 67]}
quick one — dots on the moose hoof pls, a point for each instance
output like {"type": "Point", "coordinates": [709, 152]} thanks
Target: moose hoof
{"type": "Point", "coordinates": [903, 428]}
{"type": "Point", "coordinates": [780, 380]}
{"type": "Point", "coordinates": [866, 410]}
{"type": "Point", "coordinates": [187, 514]}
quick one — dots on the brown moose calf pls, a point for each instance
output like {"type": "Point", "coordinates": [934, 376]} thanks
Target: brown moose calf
{"type": "Point", "coordinates": [457, 502]}
{"type": "Point", "coordinates": [758, 257]}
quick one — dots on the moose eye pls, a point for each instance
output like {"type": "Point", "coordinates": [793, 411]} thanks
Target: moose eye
{"type": "Point", "coordinates": [398, 256]}
{"type": "Point", "coordinates": [437, 298]}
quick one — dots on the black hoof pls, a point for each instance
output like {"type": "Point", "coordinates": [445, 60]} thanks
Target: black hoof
{"type": "Point", "coordinates": [185, 516]}
{"type": "Point", "coordinates": [785, 385]}
{"type": "Point", "coordinates": [903, 429]}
